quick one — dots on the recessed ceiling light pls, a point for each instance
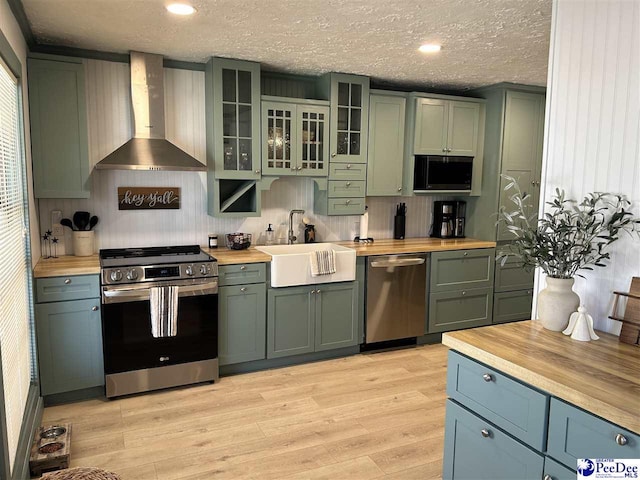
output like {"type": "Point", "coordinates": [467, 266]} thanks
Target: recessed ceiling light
{"type": "Point", "coordinates": [180, 8]}
{"type": "Point", "coordinates": [430, 48]}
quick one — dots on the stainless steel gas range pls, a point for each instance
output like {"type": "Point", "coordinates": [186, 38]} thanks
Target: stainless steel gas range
{"type": "Point", "coordinates": [159, 318]}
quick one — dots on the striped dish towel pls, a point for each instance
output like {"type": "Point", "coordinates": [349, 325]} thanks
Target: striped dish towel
{"type": "Point", "coordinates": [164, 311]}
{"type": "Point", "coordinates": [323, 262]}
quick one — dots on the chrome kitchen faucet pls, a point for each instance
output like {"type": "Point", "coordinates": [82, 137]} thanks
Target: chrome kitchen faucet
{"type": "Point", "coordinates": [291, 237]}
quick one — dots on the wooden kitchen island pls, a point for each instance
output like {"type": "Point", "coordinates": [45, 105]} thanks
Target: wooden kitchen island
{"type": "Point", "coordinates": [527, 401]}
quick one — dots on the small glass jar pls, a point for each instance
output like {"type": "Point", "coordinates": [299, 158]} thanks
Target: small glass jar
{"type": "Point", "coordinates": [213, 240]}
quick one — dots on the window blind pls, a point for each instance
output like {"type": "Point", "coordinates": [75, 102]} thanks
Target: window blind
{"type": "Point", "coordinates": [15, 335]}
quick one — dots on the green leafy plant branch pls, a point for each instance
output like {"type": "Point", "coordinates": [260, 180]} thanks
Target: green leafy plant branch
{"type": "Point", "coordinates": [570, 236]}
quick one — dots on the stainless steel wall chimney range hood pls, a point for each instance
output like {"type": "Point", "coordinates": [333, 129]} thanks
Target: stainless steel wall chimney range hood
{"type": "Point", "coordinates": [148, 149]}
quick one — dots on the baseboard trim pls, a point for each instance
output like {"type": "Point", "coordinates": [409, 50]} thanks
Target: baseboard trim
{"type": "Point", "coordinates": [30, 424]}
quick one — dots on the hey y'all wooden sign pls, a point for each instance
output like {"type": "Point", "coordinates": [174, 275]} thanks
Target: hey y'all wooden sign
{"type": "Point", "coordinates": [148, 198]}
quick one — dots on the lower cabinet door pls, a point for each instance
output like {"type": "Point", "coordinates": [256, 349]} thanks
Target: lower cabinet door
{"type": "Point", "coordinates": [512, 306]}
{"type": "Point", "coordinates": [556, 471]}
{"type": "Point", "coordinates": [336, 315]}
{"type": "Point", "coordinates": [460, 309]}
{"type": "Point", "coordinates": [475, 449]}
{"type": "Point", "coordinates": [242, 323]}
{"type": "Point", "coordinates": [69, 336]}
{"type": "Point", "coordinates": [290, 321]}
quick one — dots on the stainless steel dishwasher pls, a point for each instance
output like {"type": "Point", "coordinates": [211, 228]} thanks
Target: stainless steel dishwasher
{"type": "Point", "coordinates": [396, 297]}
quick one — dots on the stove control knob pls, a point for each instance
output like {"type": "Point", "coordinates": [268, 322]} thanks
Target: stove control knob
{"type": "Point", "coordinates": [189, 270]}
{"type": "Point", "coordinates": [204, 269]}
{"type": "Point", "coordinates": [116, 276]}
{"type": "Point", "coordinates": [132, 275]}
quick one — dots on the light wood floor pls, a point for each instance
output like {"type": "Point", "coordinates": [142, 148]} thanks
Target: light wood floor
{"type": "Point", "coordinates": [368, 416]}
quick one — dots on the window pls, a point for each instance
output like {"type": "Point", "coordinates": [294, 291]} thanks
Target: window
{"type": "Point", "coordinates": [15, 304]}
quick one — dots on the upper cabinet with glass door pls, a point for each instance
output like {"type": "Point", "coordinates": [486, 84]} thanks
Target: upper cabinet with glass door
{"type": "Point", "coordinates": [349, 95]}
{"type": "Point", "coordinates": [294, 134]}
{"type": "Point", "coordinates": [233, 118]}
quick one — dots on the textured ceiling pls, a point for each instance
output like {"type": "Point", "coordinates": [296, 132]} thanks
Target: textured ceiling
{"type": "Point", "coordinates": [484, 41]}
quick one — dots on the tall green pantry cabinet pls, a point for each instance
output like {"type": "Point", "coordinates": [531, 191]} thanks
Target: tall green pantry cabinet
{"type": "Point", "coordinates": [58, 117]}
{"type": "Point", "coordinates": [513, 146]}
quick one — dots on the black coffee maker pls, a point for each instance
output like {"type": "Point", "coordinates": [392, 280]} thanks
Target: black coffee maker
{"type": "Point", "coordinates": [448, 219]}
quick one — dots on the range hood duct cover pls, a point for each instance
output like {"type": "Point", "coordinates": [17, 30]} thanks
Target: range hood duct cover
{"type": "Point", "coordinates": [149, 149]}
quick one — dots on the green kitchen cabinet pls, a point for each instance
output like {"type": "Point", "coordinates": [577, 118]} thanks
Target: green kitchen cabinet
{"type": "Point", "coordinates": [459, 309]}
{"type": "Point", "coordinates": [460, 289]}
{"type": "Point", "coordinates": [58, 117]}
{"type": "Point", "coordinates": [512, 306]}
{"type": "Point", "coordinates": [290, 321]}
{"type": "Point", "coordinates": [446, 127]}
{"type": "Point", "coordinates": [295, 134]}
{"type": "Point", "coordinates": [522, 149]}
{"type": "Point", "coordinates": [513, 140]}
{"type": "Point", "coordinates": [461, 269]}
{"type": "Point", "coordinates": [349, 97]}
{"type": "Point", "coordinates": [348, 133]}
{"type": "Point", "coordinates": [311, 318]}
{"type": "Point", "coordinates": [242, 327]}
{"type": "Point", "coordinates": [336, 316]}
{"type": "Point", "coordinates": [475, 449]}
{"type": "Point", "coordinates": [69, 336]}
{"type": "Point", "coordinates": [232, 116]}
{"type": "Point", "coordinates": [386, 144]}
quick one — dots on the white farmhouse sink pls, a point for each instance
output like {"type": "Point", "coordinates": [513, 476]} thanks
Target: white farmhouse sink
{"type": "Point", "coordinates": [291, 265]}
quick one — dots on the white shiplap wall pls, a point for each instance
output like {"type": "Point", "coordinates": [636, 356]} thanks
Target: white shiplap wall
{"type": "Point", "coordinates": [592, 139]}
{"type": "Point", "coordinates": [110, 125]}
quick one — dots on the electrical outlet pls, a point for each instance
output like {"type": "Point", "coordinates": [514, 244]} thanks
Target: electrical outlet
{"type": "Point", "coordinates": [56, 229]}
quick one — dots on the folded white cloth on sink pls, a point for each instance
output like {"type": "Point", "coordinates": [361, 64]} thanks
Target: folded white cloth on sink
{"type": "Point", "coordinates": [323, 262]}
{"type": "Point", "coordinates": [164, 311]}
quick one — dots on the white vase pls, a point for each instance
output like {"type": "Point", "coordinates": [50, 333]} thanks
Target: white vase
{"type": "Point", "coordinates": [83, 243]}
{"type": "Point", "coordinates": [556, 303]}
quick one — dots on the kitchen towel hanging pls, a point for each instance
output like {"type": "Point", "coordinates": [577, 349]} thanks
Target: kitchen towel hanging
{"type": "Point", "coordinates": [323, 262]}
{"type": "Point", "coordinates": [164, 311]}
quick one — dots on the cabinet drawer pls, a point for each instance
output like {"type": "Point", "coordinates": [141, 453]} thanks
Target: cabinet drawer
{"type": "Point", "coordinates": [575, 434]}
{"type": "Point", "coordinates": [75, 287]}
{"type": "Point", "coordinates": [557, 471]}
{"type": "Point", "coordinates": [461, 269]}
{"type": "Point", "coordinates": [347, 171]}
{"type": "Point", "coordinates": [512, 306]}
{"type": "Point", "coordinates": [475, 449]}
{"type": "Point", "coordinates": [346, 188]}
{"type": "Point", "coordinates": [241, 273]}
{"type": "Point", "coordinates": [512, 276]}
{"type": "Point", "coordinates": [512, 406]}
{"type": "Point", "coordinates": [345, 206]}
{"type": "Point", "coordinates": [459, 309]}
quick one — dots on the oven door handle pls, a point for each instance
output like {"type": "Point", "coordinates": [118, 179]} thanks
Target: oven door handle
{"type": "Point", "coordinates": [142, 294]}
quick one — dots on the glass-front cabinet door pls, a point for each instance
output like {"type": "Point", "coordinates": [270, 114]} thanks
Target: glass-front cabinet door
{"type": "Point", "coordinates": [294, 139]}
{"type": "Point", "coordinates": [349, 118]}
{"type": "Point", "coordinates": [233, 118]}
{"type": "Point", "coordinates": [313, 157]}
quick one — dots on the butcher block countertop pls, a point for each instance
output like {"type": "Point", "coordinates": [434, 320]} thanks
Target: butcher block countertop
{"type": "Point", "coordinates": [602, 377]}
{"type": "Point", "coordinates": [70, 265]}
{"type": "Point", "coordinates": [67, 265]}
{"type": "Point", "coordinates": [414, 245]}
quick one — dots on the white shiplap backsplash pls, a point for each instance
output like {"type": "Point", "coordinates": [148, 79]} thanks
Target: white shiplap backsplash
{"type": "Point", "coordinates": [109, 117]}
{"type": "Point", "coordinates": [592, 138]}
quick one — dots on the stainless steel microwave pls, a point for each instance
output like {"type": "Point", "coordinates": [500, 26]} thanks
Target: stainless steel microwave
{"type": "Point", "coordinates": [437, 173]}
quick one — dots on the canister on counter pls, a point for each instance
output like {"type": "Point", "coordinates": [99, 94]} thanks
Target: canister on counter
{"type": "Point", "coordinates": [213, 240]}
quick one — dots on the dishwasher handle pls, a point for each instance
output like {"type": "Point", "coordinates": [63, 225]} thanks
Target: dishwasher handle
{"type": "Point", "coordinates": [407, 262]}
